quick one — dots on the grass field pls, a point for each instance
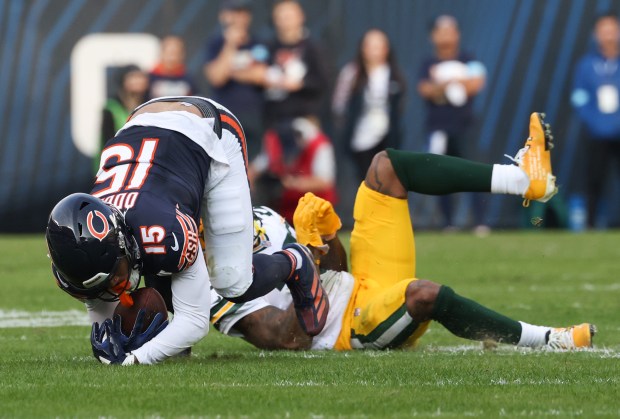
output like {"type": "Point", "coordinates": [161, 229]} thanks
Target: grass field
{"type": "Point", "coordinates": [539, 277]}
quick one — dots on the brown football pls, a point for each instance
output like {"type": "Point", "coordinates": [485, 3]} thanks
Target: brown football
{"type": "Point", "coordinates": [143, 298]}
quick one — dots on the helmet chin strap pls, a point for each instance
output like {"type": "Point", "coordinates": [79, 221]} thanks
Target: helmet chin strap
{"type": "Point", "coordinates": [123, 294]}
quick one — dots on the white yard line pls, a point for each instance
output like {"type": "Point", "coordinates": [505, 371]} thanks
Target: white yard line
{"type": "Point", "coordinates": [20, 318]}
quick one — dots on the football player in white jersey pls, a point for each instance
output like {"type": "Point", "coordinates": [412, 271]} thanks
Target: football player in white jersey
{"type": "Point", "coordinates": [269, 322]}
{"type": "Point", "coordinates": [386, 306]}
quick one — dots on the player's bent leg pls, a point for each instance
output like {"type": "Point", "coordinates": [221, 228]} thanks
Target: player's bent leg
{"type": "Point", "coordinates": [382, 240]}
{"type": "Point", "coordinates": [382, 319]}
{"type": "Point", "coordinates": [228, 226]}
{"type": "Point", "coordinates": [236, 273]}
{"type": "Point", "coordinates": [309, 298]}
{"type": "Point", "coordinates": [468, 319]}
{"type": "Point", "coordinates": [420, 297]}
{"type": "Point", "coordinates": [382, 178]}
{"type": "Point", "coordinates": [435, 174]}
{"type": "Point", "coordinates": [393, 172]}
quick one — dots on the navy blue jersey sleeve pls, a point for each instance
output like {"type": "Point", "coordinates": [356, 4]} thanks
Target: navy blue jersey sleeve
{"type": "Point", "coordinates": [167, 236]}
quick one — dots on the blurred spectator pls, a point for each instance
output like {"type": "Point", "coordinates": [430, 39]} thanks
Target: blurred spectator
{"type": "Point", "coordinates": [368, 100]}
{"type": "Point", "coordinates": [235, 68]}
{"type": "Point", "coordinates": [280, 176]}
{"type": "Point", "coordinates": [596, 99]}
{"type": "Point", "coordinates": [169, 77]}
{"type": "Point", "coordinates": [448, 81]}
{"type": "Point", "coordinates": [131, 87]}
{"type": "Point", "coordinates": [296, 77]}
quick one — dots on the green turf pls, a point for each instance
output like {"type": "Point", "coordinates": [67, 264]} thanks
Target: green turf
{"type": "Point", "coordinates": [543, 278]}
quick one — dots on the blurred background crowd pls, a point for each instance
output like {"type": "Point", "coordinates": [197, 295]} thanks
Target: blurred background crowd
{"type": "Point", "coordinates": [321, 86]}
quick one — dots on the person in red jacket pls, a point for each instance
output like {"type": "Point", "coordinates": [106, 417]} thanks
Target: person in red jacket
{"type": "Point", "coordinates": [292, 163]}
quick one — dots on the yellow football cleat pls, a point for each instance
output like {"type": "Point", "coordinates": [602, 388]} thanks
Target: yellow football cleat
{"type": "Point", "coordinates": [535, 159]}
{"type": "Point", "coordinates": [573, 337]}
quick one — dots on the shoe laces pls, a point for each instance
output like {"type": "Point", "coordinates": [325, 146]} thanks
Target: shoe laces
{"type": "Point", "coordinates": [518, 158]}
{"type": "Point", "coordinates": [561, 339]}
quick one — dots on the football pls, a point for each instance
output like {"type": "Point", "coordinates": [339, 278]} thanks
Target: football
{"type": "Point", "coordinates": [143, 298]}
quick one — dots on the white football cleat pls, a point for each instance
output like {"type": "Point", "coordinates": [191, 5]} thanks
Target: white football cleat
{"type": "Point", "coordinates": [569, 338]}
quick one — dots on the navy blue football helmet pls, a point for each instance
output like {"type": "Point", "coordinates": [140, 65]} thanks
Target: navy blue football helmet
{"type": "Point", "coordinates": [87, 239]}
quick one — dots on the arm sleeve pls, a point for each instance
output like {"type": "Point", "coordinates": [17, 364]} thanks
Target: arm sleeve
{"type": "Point", "coordinates": [99, 310]}
{"type": "Point", "coordinates": [191, 300]}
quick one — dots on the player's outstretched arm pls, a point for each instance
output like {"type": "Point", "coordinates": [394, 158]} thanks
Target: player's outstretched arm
{"type": "Point", "coordinates": [271, 328]}
{"type": "Point", "coordinates": [336, 257]}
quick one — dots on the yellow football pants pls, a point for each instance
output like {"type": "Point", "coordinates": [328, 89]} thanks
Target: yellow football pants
{"type": "Point", "coordinates": [383, 264]}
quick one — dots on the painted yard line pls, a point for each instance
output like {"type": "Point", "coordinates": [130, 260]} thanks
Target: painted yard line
{"type": "Point", "coordinates": [20, 318]}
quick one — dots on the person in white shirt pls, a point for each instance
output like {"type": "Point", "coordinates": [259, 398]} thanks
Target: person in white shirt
{"type": "Point", "coordinates": [368, 100]}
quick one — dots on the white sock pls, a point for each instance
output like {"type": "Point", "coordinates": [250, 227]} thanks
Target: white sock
{"type": "Point", "coordinates": [298, 257]}
{"type": "Point", "coordinates": [509, 179]}
{"type": "Point", "coordinates": [533, 336]}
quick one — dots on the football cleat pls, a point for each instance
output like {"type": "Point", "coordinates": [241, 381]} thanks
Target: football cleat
{"type": "Point", "coordinates": [535, 160]}
{"type": "Point", "coordinates": [573, 337]}
{"type": "Point", "coordinates": [309, 298]}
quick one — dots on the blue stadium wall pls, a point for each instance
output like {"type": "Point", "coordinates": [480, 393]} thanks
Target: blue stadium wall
{"type": "Point", "coordinates": [528, 46]}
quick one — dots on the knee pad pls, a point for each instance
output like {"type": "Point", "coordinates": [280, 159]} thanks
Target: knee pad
{"type": "Point", "coordinates": [229, 281]}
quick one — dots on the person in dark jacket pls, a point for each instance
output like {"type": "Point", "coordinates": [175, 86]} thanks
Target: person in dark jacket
{"type": "Point", "coordinates": [448, 81]}
{"type": "Point", "coordinates": [295, 78]}
{"type": "Point", "coordinates": [368, 100]}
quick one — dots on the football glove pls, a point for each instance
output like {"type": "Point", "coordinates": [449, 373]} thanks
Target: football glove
{"type": "Point", "coordinates": [327, 221]}
{"type": "Point", "coordinates": [100, 346]}
{"type": "Point", "coordinates": [107, 349]}
{"type": "Point", "coordinates": [325, 218]}
{"type": "Point", "coordinates": [136, 339]}
{"type": "Point", "coordinates": [304, 220]}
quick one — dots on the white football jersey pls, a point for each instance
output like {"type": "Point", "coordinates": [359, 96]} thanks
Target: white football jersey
{"type": "Point", "coordinates": [272, 232]}
{"type": "Point", "coordinates": [339, 287]}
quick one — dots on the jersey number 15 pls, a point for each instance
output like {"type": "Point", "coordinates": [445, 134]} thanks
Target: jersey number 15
{"type": "Point", "coordinates": [125, 164]}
